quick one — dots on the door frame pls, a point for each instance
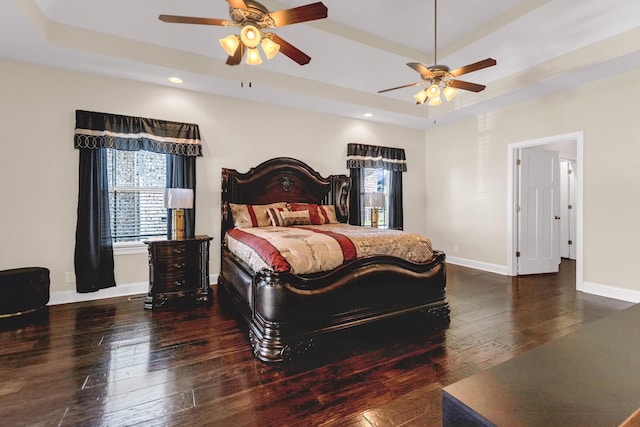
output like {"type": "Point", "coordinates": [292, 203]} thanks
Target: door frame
{"type": "Point", "coordinates": [512, 192]}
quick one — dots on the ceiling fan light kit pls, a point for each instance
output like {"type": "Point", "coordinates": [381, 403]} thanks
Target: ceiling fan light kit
{"type": "Point", "coordinates": [253, 17]}
{"type": "Point", "coordinates": [440, 79]}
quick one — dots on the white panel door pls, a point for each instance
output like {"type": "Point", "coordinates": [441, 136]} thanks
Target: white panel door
{"type": "Point", "coordinates": [539, 219]}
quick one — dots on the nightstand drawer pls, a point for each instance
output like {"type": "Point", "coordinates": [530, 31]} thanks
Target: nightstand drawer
{"type": "Point", "coordinates": [174, 280]}
{"type": "Point", "coordinates": [173, 253]}
{"type": "Point", "coordinates": [173, 268]}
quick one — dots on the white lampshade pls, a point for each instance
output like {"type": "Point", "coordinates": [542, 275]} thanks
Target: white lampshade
{"type": "Point", "coordinates": [178, 198]}
{"type": "Point", "coordinates": [253, 57]}
{"type": "Point", "coordinates": [433, 91]}
{"type": "Point", "coordinates": [449, 93]}
{"type": "Point", "coordinates": [374, 200]}
{"type": "Point", "coordinates": [269, 47]}
{"type": "Point", "coordinates": [421, 96]}
{"type": "Point", "coordinates": [250, 36]}
{"type": "Point", "coordinates": [435, 101]}
{"type": "Point", "coordinates": [230, 44]}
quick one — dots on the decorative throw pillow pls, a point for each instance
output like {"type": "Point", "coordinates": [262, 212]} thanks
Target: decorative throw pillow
{"type": "Point", "coordinates": [275, 216]}
{"type": "Point", "coordinates": [319, 214]}
{"type": "Point", "coordinates": [328, 214]}
{"type": "Point", "coordinates": [312, 208]}
{"type": "Point", "coordinates": [295, 218]}
{"type": "Point", "coordinates": [245, 216]}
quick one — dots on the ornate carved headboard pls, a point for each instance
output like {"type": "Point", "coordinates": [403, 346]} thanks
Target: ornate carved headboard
{"type": "Point", "coordinates": [283, 179]}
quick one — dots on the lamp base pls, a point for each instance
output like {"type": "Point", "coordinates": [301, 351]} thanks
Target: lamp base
{"type": "Point", "coordinates": [177, 228]}
{"type": "Point", "coordinates": [374, 217]}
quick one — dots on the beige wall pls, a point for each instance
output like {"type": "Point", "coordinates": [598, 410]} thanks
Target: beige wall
{"type": "Point", "coordinates": [38, 168]}
{"type": "Point", "coordinates": [466, 178]}
{"type": "Point", "coordinates": [455, 190]}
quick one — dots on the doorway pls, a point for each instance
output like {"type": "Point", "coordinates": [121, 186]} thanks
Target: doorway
{"type": "Point", "coordinates": [567, 208]}
{"type": "Point", "coordinates": [564, 142]}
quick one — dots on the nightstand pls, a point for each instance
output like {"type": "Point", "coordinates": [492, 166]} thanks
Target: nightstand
{"type": "Point", "coordinates": [178, 272]}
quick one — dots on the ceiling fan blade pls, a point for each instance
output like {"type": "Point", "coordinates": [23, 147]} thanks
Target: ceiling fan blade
{"type": "Point", "coordinates": [400, 87]}
{"type": "Point", "coordinates": [424, 71]}
{"type": "Point", "coordinates": [195, 20]}
{"type": "Point", "coordinates": [291, 51]}
{"type": "Point", "coordinates": [489, 62]}
{"type": "Point", "coordinates": [238, 4]}
{"type": "Point", "coordinates": [305, 13]}
{"type": "Point", "coordinates": [473, 87]}
{"type": "Point", "coordinates": [237, 56]}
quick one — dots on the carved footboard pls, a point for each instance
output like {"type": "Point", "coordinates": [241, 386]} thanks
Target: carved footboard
{"type": "Point", "coordinates": [285, 313]}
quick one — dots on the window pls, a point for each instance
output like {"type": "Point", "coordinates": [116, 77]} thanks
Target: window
{"type": "Point", "coordinates": [136, 195]}
{"type": "Point", "coordinates": [376, 180]}
{"type": "Point", "coordinates": [375, 168]}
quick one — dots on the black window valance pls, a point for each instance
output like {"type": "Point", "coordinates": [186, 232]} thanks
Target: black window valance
{"type": "Point", "coordinates": [373, 156]}
{"type": "Point", "coordinates": [103, 130]}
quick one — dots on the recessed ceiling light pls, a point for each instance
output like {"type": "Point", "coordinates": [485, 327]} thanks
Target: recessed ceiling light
{"type": "Point", "coordinates": [367, 115]}
{"type": "Point", "coordinates": [176, 80]}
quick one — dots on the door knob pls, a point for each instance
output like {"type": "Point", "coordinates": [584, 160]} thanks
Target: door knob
{"type": "Point", "coordinates": [557, 217]}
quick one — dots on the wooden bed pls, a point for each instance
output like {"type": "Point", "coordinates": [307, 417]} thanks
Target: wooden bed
{"type": "Point", "coordinates": [285, 312]}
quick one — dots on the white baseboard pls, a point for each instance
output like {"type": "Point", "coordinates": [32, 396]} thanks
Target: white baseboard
{"type": "Point", "coordinates": [586, 287]}
{"type": "Point", "coordinates": [66, 297]}
{"type": "Point", "coordinates": [478, 265]}
{"type": "Point", "coordinates": [610, 292]}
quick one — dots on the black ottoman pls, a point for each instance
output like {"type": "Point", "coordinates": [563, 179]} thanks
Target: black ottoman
{"type": "Point", "coordinates": [23, 290]}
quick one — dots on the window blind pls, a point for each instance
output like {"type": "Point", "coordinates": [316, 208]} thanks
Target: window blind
{"type": "Point", "coordinates": [136, 195]}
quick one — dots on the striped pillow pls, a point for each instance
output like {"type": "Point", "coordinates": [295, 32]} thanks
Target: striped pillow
{"type": "Point", "coordinates": [275, 216]}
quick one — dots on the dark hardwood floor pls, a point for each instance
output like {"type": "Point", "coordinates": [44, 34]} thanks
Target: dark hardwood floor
{"type": "Point", "coordinates": [112, 363]}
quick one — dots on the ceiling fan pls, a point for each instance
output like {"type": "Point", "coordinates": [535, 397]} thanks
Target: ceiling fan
{"type": "Point", "coordinates": [440, 78]}
{"type": "Point", "coordinates": [253, 17]}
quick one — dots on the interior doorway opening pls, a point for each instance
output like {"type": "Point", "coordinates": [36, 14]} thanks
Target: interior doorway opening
{"type": "Point", "coordinates": [569, 145]}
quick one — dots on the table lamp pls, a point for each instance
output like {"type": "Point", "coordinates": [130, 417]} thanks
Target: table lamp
{"type": "Point", "coordinates": [374, 201]}
{"type": "Point", "coordinates": [178, 199]}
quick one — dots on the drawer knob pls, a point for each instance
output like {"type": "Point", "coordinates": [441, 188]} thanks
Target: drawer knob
{"type": "Point", "coordinates": [176, 265]}
{"type": "Point", "coordinates": [178, 250]}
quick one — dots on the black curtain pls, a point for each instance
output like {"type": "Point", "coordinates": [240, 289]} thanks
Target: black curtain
{"type": "Point", "coordinates": [395, 202]}
{"type": "Point", "coordinates": [181, 173]}
{"type": "Point", "coordinates": [360, 156]}
{"type": "Point", "coordinates": [355, 197]}
{"type": "Point", "coordinates": [93, 258]}
{"type": "Point", "coordinates": [94, 133]}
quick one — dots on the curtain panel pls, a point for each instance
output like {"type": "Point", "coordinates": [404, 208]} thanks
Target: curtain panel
{"type": "Point", "coordinates": [356, 201]}
{"type": "Point", "coordinates": [373, 156]}
{"type": "Point", "coordinates": [103, 130]}
{"type": "Point", "coordinates": [94, 133]}
{"type": "Point", "coordinates": [93, 254]}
